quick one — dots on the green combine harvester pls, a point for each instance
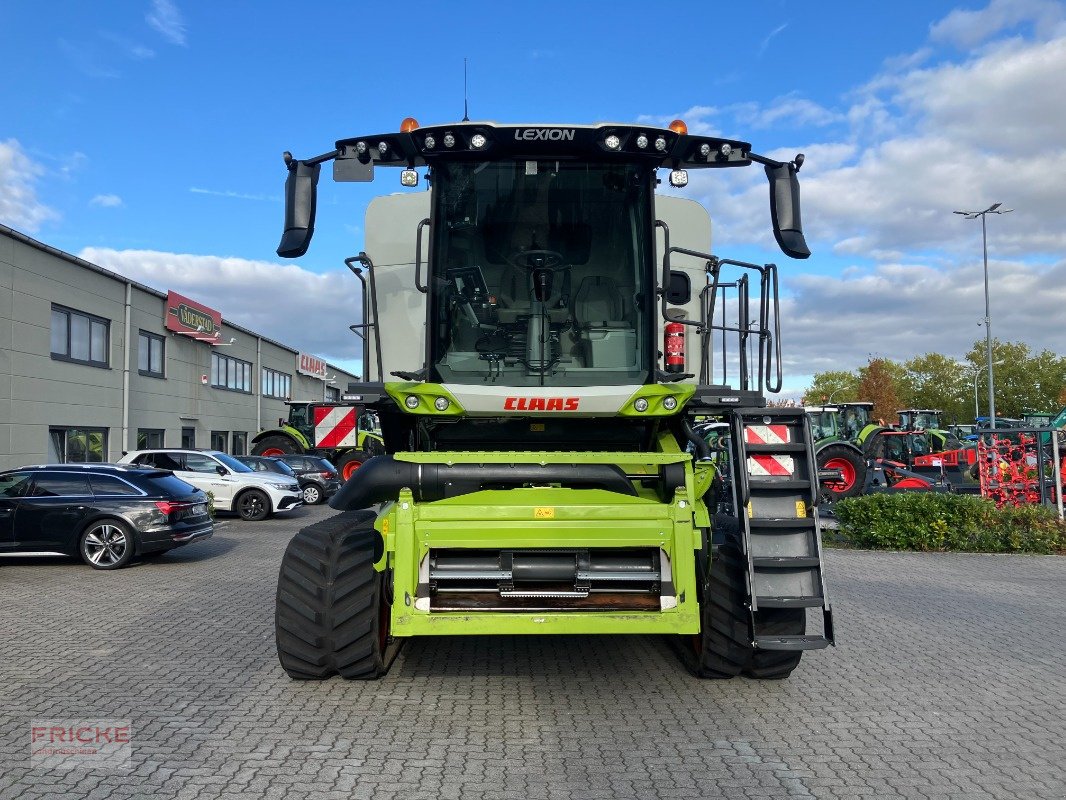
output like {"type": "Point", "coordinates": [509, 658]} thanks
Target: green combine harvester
{"type": "Point", "coordinates": [538, 344]}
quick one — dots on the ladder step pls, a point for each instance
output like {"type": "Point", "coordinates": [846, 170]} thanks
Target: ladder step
{"type": "Point", "coordinates": [791, 642]}
{"type": "Point", "coordinates": [772, 523]}
{"type": "Point", "coordinates": [775, 485]}
{"type": "Point", "coordinates": [791, 447]}
{"type": "Point", "coordinates": [788, 602]}
{"type": "Point", "coordinates": [783, 562]}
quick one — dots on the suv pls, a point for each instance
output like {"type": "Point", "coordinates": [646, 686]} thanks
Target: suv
{"type": "Point", "coordinates": [105, 513]}
{"type": "Point", "coordinates": [317, 476]}
{"type": "Point", "coordinates": [235, 487]}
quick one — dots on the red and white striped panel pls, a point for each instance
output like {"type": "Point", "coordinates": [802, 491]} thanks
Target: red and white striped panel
{"type": "Point", "coordinates": [765, 464]}
{"type": "Point", "coordinates": [336, 426]}
{"type": "Point", "coordinates": [767, 434]}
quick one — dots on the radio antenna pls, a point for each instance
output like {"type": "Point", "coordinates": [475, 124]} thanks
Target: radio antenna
{"type": "Point", "coordinates": [466, 97]}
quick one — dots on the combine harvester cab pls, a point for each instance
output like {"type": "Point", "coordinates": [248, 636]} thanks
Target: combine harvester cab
{"type": "Point", "coordinates": [538, 336]}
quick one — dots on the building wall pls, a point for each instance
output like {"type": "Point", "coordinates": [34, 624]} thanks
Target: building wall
{"type": "Point", "coordinates": [38, 391]}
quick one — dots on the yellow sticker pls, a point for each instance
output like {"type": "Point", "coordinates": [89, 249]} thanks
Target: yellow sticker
{"type": "Point", "coordinates": [385, 525]}
{"type": "Point", "coordinates": [543, 513]}
{"type": "Point", "coordinates": [536, 427]}
{"type": "Point", "coordinates": [751, 513]}
{"type": "Point", "coordinates": [801, 509]}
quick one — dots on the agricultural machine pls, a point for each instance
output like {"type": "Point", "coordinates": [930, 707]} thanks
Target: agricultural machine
{"type": "Point", "coordinates": [346, 434]}
{"type": "Point", "coordinates": [548, 350]}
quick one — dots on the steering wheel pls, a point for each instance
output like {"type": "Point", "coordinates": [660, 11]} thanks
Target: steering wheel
{"type": "Point", "coordinates": [553, 260]}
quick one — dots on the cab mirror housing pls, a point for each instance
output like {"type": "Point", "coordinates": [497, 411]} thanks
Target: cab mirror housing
{"type": "Point", "coordinates": [301, 193]}
{"type": "Point", "coordinates": [785, 210]}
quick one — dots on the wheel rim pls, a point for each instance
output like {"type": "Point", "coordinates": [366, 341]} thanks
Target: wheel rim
{"type": "Point", "coordinates": [106, 545]}
{"type": "Point", "coordinates": [273, 451]}
{"type": "Point", "coordinates": [251, 505]}
{"type": "Point", "coordinates": [311, 494]}
{"type": "Point", "coordinates": [350, 468]}
{"type": "Point", "coordinates": [847, 474]}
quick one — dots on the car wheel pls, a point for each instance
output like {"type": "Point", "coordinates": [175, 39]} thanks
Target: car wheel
{"type": "Point", "coordinates": [312, 495]}
{"type": "Point", "coordinates": [107, 544]}
{"type": "Point", "coordinates": [253, 505]}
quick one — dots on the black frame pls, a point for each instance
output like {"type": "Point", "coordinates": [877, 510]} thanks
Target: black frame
{"type": "Point", "coordinates": [66, 431]}
{"type": "Point", "coordinates": [146, 338]}
{"type": "Point", "coordinates": [149, 434]}
{"type": "Point", "coordinates": [230, 360]}
{"type": "Point", "coordinates": [91, 318]}
{"type": "Point", "coordinates": [274, 376]}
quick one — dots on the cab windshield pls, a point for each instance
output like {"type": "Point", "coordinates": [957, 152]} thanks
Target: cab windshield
{"type": "Point", "coordinates": [541, 273]}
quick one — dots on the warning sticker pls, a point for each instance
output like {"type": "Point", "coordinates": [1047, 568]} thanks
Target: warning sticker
{"type": "Point", "coordinates": [544, 513]}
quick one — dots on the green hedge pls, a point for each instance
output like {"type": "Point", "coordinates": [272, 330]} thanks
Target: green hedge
{"type": "Point", "coordinates": [931, 521]}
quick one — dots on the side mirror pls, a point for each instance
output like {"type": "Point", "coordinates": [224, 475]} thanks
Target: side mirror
{"type": "Point", "coordinates": [785, 210]}
{"type": "Point", "coordinates": [301, 193]}
{"type": "Point", "coordinates": [221, 470]}
{"type": "Point", "coordinates": [679, 290]}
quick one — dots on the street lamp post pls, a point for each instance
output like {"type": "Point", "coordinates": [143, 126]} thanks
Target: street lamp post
{"type": "Point", "coordinates": [992, 209]}
{"type": "Point", "coordinates": [976, 373]}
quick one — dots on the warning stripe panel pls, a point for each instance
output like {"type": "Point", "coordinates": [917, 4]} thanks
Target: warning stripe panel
{"type": "Point", "coordinates": [765, 464]}
{"type": "Point", "coordinates": [767, 434]}
{"type": "Point", "coordinates": [335, 426]}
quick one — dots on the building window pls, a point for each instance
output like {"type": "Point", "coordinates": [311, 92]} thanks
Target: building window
{"type": "Point", "coordinates": [219, 440]}
{"type": "Point", "coordinates": [77, 445]}
{"type": "Point", "coordinates": [333, 394]}
{"type": "Point", "coordinates": [149, 438]}
{"type": "Point", "coordinates": [240, 443]}
{"type": "Point", "coordinates": [79, 337]}
{"type": "Point", "coordinates": [188, 438]}
{"type": "Point", "coordinates": [276, 384]}
{"type": "Point", "coordinates": [150, 354]}
{"type": "Point", "coordinates": [231, 373]}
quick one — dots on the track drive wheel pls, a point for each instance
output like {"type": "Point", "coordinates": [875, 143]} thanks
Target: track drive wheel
{"type": "Point", "coordinates": [349, 463]}
{"type": "Point", "coordinates": [777, 664]}
{"type": "Point", "coordinates": [276, 445]}
{"type": "Point", "coordinates": [332, 609]}
{"type": "Point", "coordinates": [723, 646]}
{"type": "Point", "coordinates": [852, 468]}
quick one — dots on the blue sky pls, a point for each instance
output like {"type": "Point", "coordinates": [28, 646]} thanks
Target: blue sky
{"type": "Point", "coordinates": [146, 136]}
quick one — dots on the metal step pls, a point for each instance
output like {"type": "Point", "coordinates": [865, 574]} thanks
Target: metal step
{"type": "Point", "coordinates": [779, 562]}
{"type": "Point", "coordinates": [793, 447]}
{"type": "Point", "coordinates": [774, 523]}
{"type": "Point", "coordinates": [791, 642]}
{"type": "Point", "coordinates": [777, 485]}
{"type": "Point", "coordinates": [788, 602]}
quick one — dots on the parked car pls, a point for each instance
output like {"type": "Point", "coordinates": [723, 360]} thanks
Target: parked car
{"type": "Point", "coordinates": [318, 471]}
{"type": "Point", "coordinates": [105, 513]}
{"type": "Point", "coordinates": [311, 491]}
{"type": "Point", "coordinates": [235, 486]}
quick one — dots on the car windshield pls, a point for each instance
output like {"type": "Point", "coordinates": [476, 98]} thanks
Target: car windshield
{"type": "Point", "coordinates": [282, 467]}
{"type": "Point", "coordinates": [541, 273]}
{"type": "Point", "coordinates": [232, 463]}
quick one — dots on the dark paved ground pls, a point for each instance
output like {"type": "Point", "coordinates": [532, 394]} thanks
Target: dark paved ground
{"type": "Point", "coordinates": [950, 682]}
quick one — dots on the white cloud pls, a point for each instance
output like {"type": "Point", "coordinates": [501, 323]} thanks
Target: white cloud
{"type": "Point", "coordinates": [106, 201]}
{"type": "Point", "coordinates": [235, 195]}
{"type": "Point", "coordinates": [766, 42]}
{"type": "Point", "coordinates": [167, 20]}
{"type": "Point", "coordinates": [285, 302]}
{"type": "Point", "coordinates": [967, 29]}
{"type": "Point", "coordinates": [19, 206]}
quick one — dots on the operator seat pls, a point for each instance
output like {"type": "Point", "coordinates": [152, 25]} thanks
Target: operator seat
{"type": "Point", "coordinates": [603, 322]}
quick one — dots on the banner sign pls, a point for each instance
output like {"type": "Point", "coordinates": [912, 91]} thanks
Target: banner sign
{"type": "Point", "coordinates": [183, 314]}
{"type": "Point", "coordinates": [307, 364]}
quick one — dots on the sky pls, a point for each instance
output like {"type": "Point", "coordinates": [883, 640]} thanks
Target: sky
{"type": "Point", "coordinates": [146, 136]}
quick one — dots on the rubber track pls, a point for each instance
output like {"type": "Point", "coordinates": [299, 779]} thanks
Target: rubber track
{"type": "Point", "coordinates": [328, 599]}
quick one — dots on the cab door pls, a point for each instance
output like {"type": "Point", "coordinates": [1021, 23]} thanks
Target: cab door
{"type": "Point", "coordinates": [12, 486]}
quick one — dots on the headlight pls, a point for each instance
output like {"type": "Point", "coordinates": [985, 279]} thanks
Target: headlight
{"type": "Point", "coordinates": [640, 404]}
{"type": "Point", "coordinates": [669, 403]}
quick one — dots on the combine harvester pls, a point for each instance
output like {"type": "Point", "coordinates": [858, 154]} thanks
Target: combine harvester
{"type": "Point", "coordinates": [539, 324]}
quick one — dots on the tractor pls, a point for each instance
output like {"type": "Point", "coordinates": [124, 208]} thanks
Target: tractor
{"type": "Point", "coordinates": [840, 431]}
{"type": "Point", "coordinates": [346, 434]}
{"type": "Point", "coordinates": [538, 329]}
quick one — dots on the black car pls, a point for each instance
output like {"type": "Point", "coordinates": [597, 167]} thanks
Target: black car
{"type": "Point", "coordinates": [316, 470]}
{"type": "Point", "coordinates": [318, 478]}
{"type": "Point", "coordinates": [104, 513]}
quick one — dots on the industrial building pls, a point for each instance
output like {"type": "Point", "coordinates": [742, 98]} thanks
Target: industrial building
{"type": "Point", "coordinates": [93, 364]}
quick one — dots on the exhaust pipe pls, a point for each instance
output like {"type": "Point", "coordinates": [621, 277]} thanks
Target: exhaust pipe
{"type": "Point", "coordinates": [382, 478]}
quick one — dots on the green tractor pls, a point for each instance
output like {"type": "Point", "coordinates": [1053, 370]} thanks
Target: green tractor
{"type": "Point", "coordinates": [345, 434]}
{"type": "Point", "coordinates": [539, 329]}
{"type": "Point", "coordinates": [840, 431]}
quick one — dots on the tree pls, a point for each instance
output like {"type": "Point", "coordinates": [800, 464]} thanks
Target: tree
{"type": "Point", "coordinates": [938, 382]}
{"type": "Point", "coordinates": [1022, 381]}
{"type": "Point", "coordinates": [878, 382]}
{"type": "Point", "coordinates": [839, 385]}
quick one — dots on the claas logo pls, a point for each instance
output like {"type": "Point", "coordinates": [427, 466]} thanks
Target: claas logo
{"type": "Point", "coordinates": [541, 403]}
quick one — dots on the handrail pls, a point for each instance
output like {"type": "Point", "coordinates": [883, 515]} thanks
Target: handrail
{"type": "Point", "coordinates": [367, 264]}
{"type": "Point", "coordinates": [418, 258]}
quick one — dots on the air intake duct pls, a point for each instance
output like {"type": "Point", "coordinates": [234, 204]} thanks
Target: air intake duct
{"type": "Point", "coordinates": [382, 478]}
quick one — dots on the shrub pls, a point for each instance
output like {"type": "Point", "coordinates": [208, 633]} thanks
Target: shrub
{"type": "Point", "coordinates": [933, 521]}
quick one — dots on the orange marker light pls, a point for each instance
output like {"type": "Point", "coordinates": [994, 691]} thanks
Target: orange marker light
{"type": "Point", "coordinates": [408, 124]}
{"type": "Point", "coordinates": [679, 127]}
